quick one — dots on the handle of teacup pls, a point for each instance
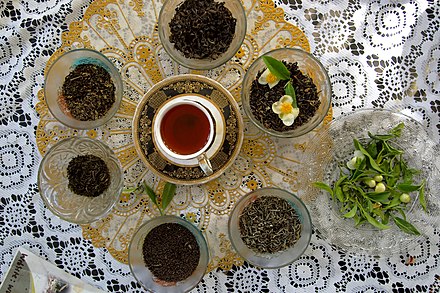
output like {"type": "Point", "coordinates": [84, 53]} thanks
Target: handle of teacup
{"type": "Point", "coordinates": [205, 164]}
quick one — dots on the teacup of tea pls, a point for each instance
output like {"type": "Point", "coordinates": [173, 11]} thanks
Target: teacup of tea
{"type": "Point", "coordinates": [184, 128]}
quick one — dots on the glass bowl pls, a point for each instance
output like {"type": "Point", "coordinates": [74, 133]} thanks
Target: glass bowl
{"type": "Point", "coordinates": [141, 272]}
{"type": "Point", "coordinates": [267, 260]}
{"type": "Point", "coordinates": [308, 65]}
{"type": "Point", "coordinates": [55, 79]}
{"type": "Point", "coordinates": [53, 181]}
{"type": "Point", "coordinates": [167, 13]}
{"type": "Point", "coordinates": [333, 145]}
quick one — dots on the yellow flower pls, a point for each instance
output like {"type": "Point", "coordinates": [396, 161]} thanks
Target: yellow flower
{"type": "Point", "coordinates": [285, 110]}
{"type": "Point", "coordinates": [268, 78]}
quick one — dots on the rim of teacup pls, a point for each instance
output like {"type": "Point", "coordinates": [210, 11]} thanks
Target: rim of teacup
{"type": "Point", "coordinates": [215, 126]}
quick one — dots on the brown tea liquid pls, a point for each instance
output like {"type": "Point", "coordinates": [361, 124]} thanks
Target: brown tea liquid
{"type": "Point", "coordinates": [185, 129]}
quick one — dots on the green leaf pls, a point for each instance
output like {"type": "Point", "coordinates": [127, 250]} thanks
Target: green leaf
{"type": "Point", "coordinates": [351, 213]}
{"type": "Point", "coordinates": [405, 226]}
{"type": "Point", "coordinates": [382, 137]}
{"type": "Point", "coordinates": [382, 197]}
{"type": "Point", "coordinates": [404, 187]}
{"type": "Point", "coordinates": [373, 163]}
{"type": "Point", "coordinates": [397, 130]}
{"type": "Point", "coordinates": [277, 68]}
{"type": "Point", "coordinates": [150, 193]}
{"type": "Point", "coordinates": [374, 222]}
{"type": "Point", "coordinates": [323, 186]}
{"type": "Point", "coordinates": [168, 193]}
{"type": "Point", "coordinates": [422, 199]}
{"type": "Point", "coordinates": [130, 189]}
{"type": "Point", "coordinates": [339, 194]}
{"type": "Point", "coordinates": [290, 91]}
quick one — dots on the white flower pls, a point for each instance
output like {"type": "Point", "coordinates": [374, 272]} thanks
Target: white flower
{"type": "Point", "coordinates": [268, 78]}
{"type": "Point", "coordinates": [285, 110]}
{"type": "Point", "coordinates": [352, 164]}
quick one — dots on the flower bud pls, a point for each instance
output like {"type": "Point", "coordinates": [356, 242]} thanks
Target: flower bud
{"type": "Point", "coordinates": [380, 187]}
{"type": "Point", "coordinates": [405, 198]}
{"type": "Point", "coordinates": [378, 178]}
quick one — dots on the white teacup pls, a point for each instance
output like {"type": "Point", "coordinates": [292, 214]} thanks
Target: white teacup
{"type": "Point", "coordinates": [184, 128]}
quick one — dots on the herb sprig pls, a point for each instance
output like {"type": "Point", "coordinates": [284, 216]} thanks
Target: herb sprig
{"type": "Point", "coordinates": [280, 70]}
{"type": "Point", "coordinates": [375, 186]}
{"type": "Point", "coordinates": [162, 201]}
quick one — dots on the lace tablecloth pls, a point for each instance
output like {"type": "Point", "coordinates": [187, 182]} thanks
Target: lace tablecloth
{"type": "Point", "coordinates": [377, 54]}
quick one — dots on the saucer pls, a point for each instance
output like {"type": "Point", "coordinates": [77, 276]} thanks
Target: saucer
{"type": "Point", "coordinates": [222, 153]}
{"type": "Point", "coordinates": [220, 126]}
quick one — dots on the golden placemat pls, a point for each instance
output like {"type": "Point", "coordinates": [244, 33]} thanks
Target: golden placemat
{"type": "Point", "coordinates": [126, 32]}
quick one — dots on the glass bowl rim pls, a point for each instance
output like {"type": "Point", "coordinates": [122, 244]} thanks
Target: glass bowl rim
{"type": "Point", "coordinates": [180, 59]}
{"type": "Point", "coordinates": [117, 79]}
{"type": "Point", "coordinates": [54, 148]}
{"type": "Point", "coordinates": [164, 219]}
{"type": "Point", "coordinates": [408, 243]}
{"type": "Point", "coordinates": [260, 192]}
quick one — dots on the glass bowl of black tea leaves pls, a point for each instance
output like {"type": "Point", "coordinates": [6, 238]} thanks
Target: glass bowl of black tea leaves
{"type": "Point", "coordinates": [202, 35]}
{"type": "Point", "coordinates": [168, 254]}
{"type": "Point", "coordinates": [270, 227]}
{"type": "Point", "coordinates": [286, 92]}
{"type": "Point", "coordinates": [80, 179]}
{"type": "Point", "coordinates": [83, 89]}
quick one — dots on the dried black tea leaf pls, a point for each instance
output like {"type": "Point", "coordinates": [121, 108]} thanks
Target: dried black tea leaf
{"type": "Point", "coordinates": [202, 29]}
{"type": "Point", "coordinates": [269, 225]}
{"type": "Point", "coordinates": [88, 92]}
{"type": "Point", "coordinates": [88, 175]}
{"type": "Point", "coordinates": [262, 97]}
{"type": "Point", "coordinates": [171, 252]}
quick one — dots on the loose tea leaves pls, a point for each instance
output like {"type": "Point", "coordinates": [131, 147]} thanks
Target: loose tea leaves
{"type": "Point", "coordinates": [262, 97]}
{"type": "Point", "coordinates": [269, 225]}
{"type": "Point", "coordinates": [202, 29]}
{"type": "Point", "coordinates": [88, 175]}
{"type": "Point", "coordinates": [171, 252]}
{"type": "Point", "coordinates": [88, 92]}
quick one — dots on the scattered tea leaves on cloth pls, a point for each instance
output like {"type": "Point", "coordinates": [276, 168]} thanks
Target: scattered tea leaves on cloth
{"type": "Point", "coordinates": [88, 175]}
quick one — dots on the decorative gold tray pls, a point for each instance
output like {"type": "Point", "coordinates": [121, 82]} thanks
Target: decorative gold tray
{"type": "Point", "coordinates": [126, 32]}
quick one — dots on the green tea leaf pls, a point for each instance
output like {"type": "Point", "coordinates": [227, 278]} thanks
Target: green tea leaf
{"type": "Point", "coordinates": [374, 222]}
{"type": "Point", "coordinates": [323, 186]}
{"type": "Point", "coordinates": [168, 193]}
{"type": "Point", "coordinates": [404, 187]}
{"type": "Point", "coordinates": [382, 137]}
{"type": "Point", "coordinates": [150, 193]}
{"type": "Point", "coordinates": [351, 213]}
{"type": "Point", "coordinates": [277, 68]}
{"type": "Point", "coordinates": [130, 189]}
{"type": "Point", "coordinates": [397, 130]}
{"type": "Point", "coordinates": [339, 194]}
{"type": "Point", "coordinates": [405, 226]}
{"type": "Point", "coordinates": [289, 90]}
{"type": "Point", "coordinates": [422, 199]}
{"type": "Point", "coordinates": [366, 154]}
{"type": "Point", "coordinates": [382, 197]}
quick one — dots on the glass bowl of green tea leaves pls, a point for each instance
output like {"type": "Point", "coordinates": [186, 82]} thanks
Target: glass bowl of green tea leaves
{"type": "Point", "coordinates": [168, 254]}
{"type": "Point", "coordinates": [286, 92]}
{"type": "Point", "coordinates": [80, 179]}
{"type": "Point", "coordinates": [202, 35]}
{"type": "Point", "coordinates": [83, 89]}
{"type": "Point", "coordinates": [270, 227]}
{"type": "Point", "coordinates": [371, 182]}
